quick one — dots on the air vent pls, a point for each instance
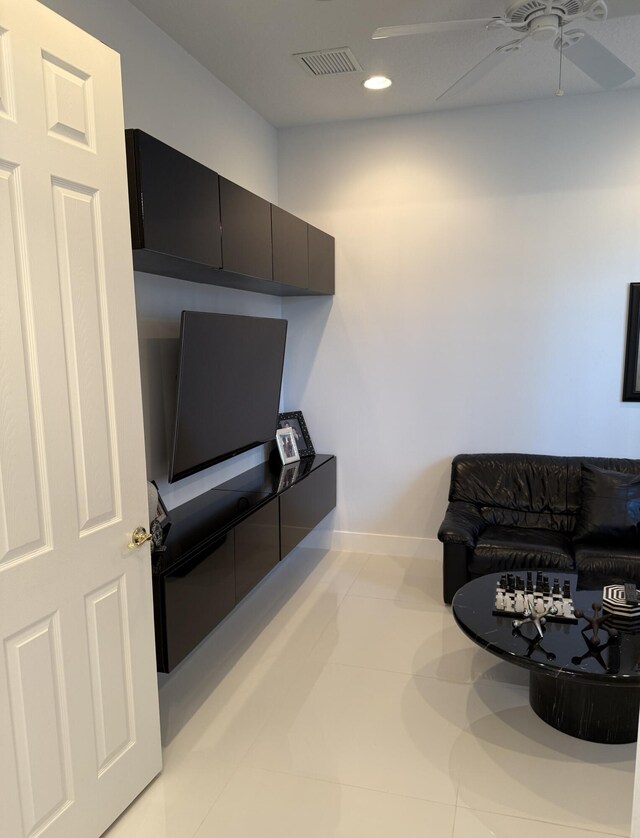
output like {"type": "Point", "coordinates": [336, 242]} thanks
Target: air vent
{"type": "Point", "coordinates": [329, 62]}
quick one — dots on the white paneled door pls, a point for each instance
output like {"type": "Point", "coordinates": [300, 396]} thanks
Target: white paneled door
{"type": "Point", "coordinates": [79, 731]}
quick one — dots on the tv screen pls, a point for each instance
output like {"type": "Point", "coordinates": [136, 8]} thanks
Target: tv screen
{"type": "Point", "coordinates": [229, 378]}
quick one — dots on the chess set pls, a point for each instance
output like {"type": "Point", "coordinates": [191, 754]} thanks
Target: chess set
{"type": "Point", "coordinates": [539, 597]}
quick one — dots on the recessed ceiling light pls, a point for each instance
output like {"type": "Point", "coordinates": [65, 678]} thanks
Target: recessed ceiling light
{"type": "Point", "coordinates": [377, 83]}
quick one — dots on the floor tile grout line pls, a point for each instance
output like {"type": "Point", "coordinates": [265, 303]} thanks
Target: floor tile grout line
{"type": "Point", "coordinates": [324, 662]}
{"type": "Point", "coordinates": [318, 779]}
{"type": "Point", "coordinates": [598, 833]}
{"type": "Point", "coordinates": [435, 608]}
{"type": "Point", "coordinates": [455, 818]}
{"type": "Point", "coordinates": [216, 799]}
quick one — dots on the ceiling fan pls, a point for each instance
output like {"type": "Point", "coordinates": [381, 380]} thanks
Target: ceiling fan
{"type": "Point", "coordinates": [538, 20]}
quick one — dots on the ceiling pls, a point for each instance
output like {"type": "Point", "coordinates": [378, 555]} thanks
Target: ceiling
{"type": "Point", "coordinates": [248, 45]}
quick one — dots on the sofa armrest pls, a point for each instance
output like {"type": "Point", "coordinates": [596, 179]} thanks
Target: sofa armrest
{"type": "Point", "coordinates": [462, 524]}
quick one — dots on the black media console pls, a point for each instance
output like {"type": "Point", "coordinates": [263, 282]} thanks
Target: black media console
{"type": "Point", "coordinates": [222, 543]}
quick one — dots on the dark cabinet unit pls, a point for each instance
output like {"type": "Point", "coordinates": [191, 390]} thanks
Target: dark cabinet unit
{"type": "Point", "coordinates": [305, 504]}
{"type": "Point", "coordinates": [322, 261]}
{"type": "Point", "coordinates": [174, 205]}
{"type": "Point", "coordinates": [246, 231]}
{"type": "Point", "coordinates": [197, 595]}
{"type": "Point", "coordinates": [224, 542]}
{"type": "Point", "coordinates": [190, 223]}
{"type": "Point", "coordinates": [290, 249]}
{"type": "Point", "coordinates": [257, 547]}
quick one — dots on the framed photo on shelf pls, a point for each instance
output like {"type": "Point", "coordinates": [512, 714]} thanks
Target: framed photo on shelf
{"type": "Point", "coordinates": [287, 445]}
{"type": "Point", "coordinates": [295, 421]}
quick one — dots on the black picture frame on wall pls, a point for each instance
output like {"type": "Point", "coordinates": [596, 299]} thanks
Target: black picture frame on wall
{"type": "Point", "coordinates": [294, 419]}
{"type": "Point", "coordinates": [631, 383]}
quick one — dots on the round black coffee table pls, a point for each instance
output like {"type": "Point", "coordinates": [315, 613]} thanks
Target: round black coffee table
{"type": "Point", "coordinates": [590, 693]}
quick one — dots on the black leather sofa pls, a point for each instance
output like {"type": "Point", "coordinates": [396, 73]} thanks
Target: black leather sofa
{"type": "Point", "coordinates": [510, 512]}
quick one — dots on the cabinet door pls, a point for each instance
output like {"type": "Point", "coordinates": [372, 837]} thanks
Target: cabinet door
{"type": "Point", "coordinates": [197, 596]}
{"type": "Point", "coordinates": [322, 261]}
{"type": "Point", "coordinates": [305, 504]}
{"type": "Point", "coordinates": [257, 547]}
{"type": "Point", "coordinates": [179, 205]}
{"type": "Point", "coordinates": [246, 231]}
{"type": "Point", "coordinates": [290, 248]}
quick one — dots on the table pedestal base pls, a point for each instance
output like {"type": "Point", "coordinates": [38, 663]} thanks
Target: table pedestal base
{"type": "Point", "coordinates": [596, 712]}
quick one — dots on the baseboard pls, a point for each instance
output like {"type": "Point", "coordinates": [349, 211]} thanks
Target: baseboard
{"type": "Point", "coordinates": [374, 543]}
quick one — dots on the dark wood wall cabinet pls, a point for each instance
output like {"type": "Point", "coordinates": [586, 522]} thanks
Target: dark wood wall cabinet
{"type": "Point", "coordinates": [222, 543]}
{"type": "Point", "coordinates": [322, 260]}
{"type": "Point", "coordinates": [290, 248]}
{"type": "Point", "coordinates": [174, 205]}
{"type": "Point", "coordinates": [246, 231]}
{"type": "Point", "coordinates": [191, 223]}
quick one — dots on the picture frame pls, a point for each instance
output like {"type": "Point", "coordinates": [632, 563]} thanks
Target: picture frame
{"type": "Point", "coordinates": [287, 447]}
{"type": "Point", "coordinates": [631, 380]}
{"type": "Point", "coordinates": [294, 419]}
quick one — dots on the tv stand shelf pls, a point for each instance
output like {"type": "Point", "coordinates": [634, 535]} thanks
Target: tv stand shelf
{"type": "Point", "coordinates": [223, 542]}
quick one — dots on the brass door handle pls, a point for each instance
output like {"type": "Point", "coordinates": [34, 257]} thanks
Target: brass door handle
{"type": "Point", "coordinates": [138, 537]}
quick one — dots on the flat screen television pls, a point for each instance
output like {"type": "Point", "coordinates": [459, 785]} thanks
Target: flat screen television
{"type": "Point", "coordinates": [228, 390]}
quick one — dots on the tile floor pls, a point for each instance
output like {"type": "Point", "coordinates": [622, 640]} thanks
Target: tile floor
{"type": "Point", "coordinates": [340, 699]}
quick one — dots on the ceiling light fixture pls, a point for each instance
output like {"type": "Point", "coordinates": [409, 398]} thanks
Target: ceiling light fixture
{"type": "Point", "coordinates": [377, 83]}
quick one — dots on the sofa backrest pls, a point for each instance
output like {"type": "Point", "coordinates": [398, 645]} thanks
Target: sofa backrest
{"type": "Point", "coordinates": [526, 490]}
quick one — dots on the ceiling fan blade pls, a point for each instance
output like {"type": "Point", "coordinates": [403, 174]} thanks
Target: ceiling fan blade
{"type": "Point", "coordinates": [428, 28]}
{"type": "Point", "coordinates": [595, 60]}
{"type": "Point", "coordinates": [482, 68]}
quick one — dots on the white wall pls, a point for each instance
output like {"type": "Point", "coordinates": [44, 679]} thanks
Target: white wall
{"type": "Point", "coordinates": [483, 261]}
{"type": "Point", "coordinates": [483, 258]}
{"type": "Point", "coordinates": [169, 95]}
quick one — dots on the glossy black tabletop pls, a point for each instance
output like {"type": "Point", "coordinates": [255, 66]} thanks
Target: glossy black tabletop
{"type": "Point", "coordinates": [563, 651]}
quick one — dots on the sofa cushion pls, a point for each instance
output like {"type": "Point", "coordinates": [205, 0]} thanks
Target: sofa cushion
{"type": "Point", "coordinates": [597, 564]}
{"type": "Point", "coordinates": [610, 510]}
{"type": "Point", "coordinates": [499, 516]}
{"type": "Point", "coordinates": [525, 482]}
{"type": "Point", "coordinates": [574, 475]}
{"type": "Point", "coordinates": [502, 549]}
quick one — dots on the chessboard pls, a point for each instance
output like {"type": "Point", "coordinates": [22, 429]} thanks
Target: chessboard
{"type": "Point", "coordinates": [518, 597]}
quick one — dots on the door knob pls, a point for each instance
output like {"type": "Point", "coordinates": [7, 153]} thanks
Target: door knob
{"type": "Point", "coordinates": [138, 537]}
